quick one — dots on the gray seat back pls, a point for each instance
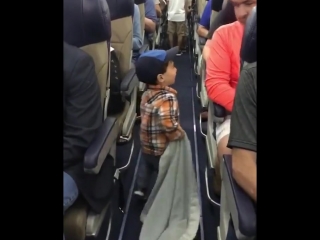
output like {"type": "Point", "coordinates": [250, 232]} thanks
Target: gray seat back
{"type": "Point", "coordinates": [225, 16]}
{"type": "Point", "coordinates": [121, 26]}
{"type": "Point", "coordinates": [248, 51]}
{"type": "Point", "coordinates": [87, 26]}
{"type": "Point", "coordinates": [216, 6]}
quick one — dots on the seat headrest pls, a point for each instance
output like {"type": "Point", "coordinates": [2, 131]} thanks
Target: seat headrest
{"type": "Point", "coordinates": [216, 5]}
{"type": "Point", "coordinates": [120, 8]}
{"type": "Point", "coordinates": [139, 1]}
{"type": "Point", "coordinates": [249, 43]}
{"type": "Point", "coordinates": [86, 22]}
{"type": "Point", "coordinates": [225, 16]}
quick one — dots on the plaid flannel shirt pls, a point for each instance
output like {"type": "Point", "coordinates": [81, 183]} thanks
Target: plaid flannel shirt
{"type": "Point", "coordinates": [159, 112]}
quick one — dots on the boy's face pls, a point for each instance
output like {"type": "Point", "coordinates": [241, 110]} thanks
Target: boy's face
{"type": "Point", "coordinates": [169, 77]}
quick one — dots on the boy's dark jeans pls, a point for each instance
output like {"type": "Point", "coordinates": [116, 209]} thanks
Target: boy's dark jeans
{"type": "Point", "coordinates": [149, 164]}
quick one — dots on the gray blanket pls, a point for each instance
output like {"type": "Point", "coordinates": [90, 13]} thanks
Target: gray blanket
{"type": "Point", "coordinates": [172, 211]}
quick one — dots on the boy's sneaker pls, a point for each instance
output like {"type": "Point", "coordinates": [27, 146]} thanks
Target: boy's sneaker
{"type": "Point", "coordinates": [179, 53]}
{"type": "Point", "coordinates": [140, 194]}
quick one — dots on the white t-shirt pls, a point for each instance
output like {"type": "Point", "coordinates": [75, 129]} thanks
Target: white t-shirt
{"type": "Point", "coordinates": [176, 12]}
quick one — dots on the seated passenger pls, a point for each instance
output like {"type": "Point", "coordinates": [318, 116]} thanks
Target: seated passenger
{"type": "Point", "coordinates": [82, 117]}
{"type": "Point", "coordinates": [243, 134]}
{"type": "Point", "coordinates": [137, 38]}
{"type": "Point", "coordinates": [222, 74]}
{"type": "Point", "coordinates": [204, 23]}
{"type": "Point", "coordinates": [150, 20]}
{"type": "Point", "coordinates": [159, 111]}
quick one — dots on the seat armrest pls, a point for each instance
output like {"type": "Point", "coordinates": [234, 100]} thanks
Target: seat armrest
{"type": "Point", "coordinates": [202, 42]}
{"type": "Point", "coordinates": [196, 18]}
{"type": "Point", "coordinates": [219, 111]}
{"type": "Point", "coordinates": [144, 48]}
{"type": "Point", "coordinates": [241, 206]}
{"type": "Point", "coordinates": [128, 83]}
{"type": "Point", "coordinates": [101, 145]}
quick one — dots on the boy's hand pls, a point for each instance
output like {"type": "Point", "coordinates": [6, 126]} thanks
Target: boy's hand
{"type": "Point", "coordinates": [183, 132]}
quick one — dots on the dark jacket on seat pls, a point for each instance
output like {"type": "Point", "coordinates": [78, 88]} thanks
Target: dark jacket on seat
{"type": "Point", "coordinates": [82, 116]}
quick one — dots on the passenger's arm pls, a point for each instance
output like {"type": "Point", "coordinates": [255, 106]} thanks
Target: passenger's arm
{"type": "Point", "coordinates": [150, 16]}
{"type": "Point", "coordinates": [83, 110]}
{"type": "Point", "coordinates": [244, 170]}
{"type": "Point", "coordinates": [243, 133]}
{"type": "Point", "coordinates": [202, 31]}
{"type": "Point", "coordinates": [137, 39]}
{"type": "Point", "coordinates": [163, 4]}
{"type": "Point", "coordinates": [158, 8]}
{"type": "Point", "coordinates": [167, 114]}
{"type": "Point", "coordinates": [187, 7]}
{"type": "Point", "coordinates": [149, 25]}
{"type": "Point", "coordinates": [206, 50]}
{"type": "Point", "coordinates": [204, 23]}
{"type": "Point", "coordinates": [218, 71]}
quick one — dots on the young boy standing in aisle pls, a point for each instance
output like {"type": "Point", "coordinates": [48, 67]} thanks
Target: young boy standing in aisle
{"type": "Point", "coordinates": [159, 111]}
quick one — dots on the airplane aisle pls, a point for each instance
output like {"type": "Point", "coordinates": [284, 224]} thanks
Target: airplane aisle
{"type": "Point", "coordinates": [127, 226]}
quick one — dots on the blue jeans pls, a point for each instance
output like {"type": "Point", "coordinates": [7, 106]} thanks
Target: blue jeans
{"type": "Point", "coordinates": [149, 165]}
{"type": "Point", "coordinates": [70, 191]}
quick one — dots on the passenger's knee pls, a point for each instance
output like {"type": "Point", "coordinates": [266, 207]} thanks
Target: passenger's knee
{"type": "Point", "coordinates": [70, 191]}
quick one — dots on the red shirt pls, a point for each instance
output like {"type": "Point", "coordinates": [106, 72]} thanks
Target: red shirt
{"type": "Point", "coordinates": [223, 64]}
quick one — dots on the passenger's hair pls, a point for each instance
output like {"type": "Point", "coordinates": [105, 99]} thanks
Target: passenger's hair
{"type": "Point", "coordinates": [163, 70]}
{"type": "Point", "coordinates": [164, 67]}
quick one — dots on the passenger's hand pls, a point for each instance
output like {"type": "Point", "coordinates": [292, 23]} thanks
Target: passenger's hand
{"type": "Point", "coordinates": [183, 133]}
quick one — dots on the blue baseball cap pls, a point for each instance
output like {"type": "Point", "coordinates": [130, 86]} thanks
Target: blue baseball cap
{"type": "Point", "coordinates": [150, 64]}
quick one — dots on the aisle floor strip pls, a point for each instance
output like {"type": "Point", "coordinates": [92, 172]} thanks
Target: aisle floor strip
{"type": "Point", "coordinates": [124, 220]}
{"type": "Point", "coordinates": [195, 138]}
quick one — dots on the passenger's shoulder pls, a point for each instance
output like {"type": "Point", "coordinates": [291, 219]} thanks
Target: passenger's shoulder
{"type": "Point", "coordinates": [228, 28]}
{"type": "Point", "coordinates": [74, 58]}
{"type": "Point", "coordinates": [165, 100]}
{"type": "Point", "coordinates": [169, 96]}
{"type": "Point", "coordinates": [248, 77]}
{"type": "Point", "coordinates": [73, 54]}
{"type": "Point", "coordinates": [250, 71]}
